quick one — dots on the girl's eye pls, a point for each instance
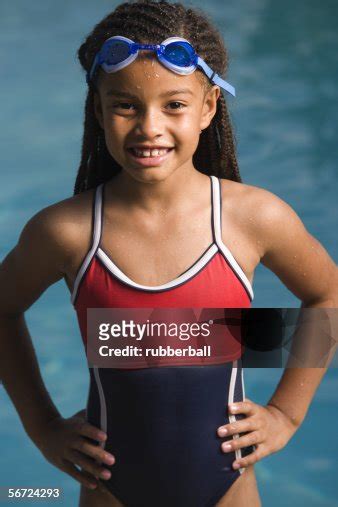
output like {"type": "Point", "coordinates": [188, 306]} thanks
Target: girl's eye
{"type": "Point", "coordinates": [178, 105]}
{"type": "Point", "coordinates": [127, 106]}
{"type": "Point", "coordinates": [123, 105]}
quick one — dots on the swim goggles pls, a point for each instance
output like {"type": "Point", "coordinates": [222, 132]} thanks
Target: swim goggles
{"type": "Point", "coordinates": [175, 53]}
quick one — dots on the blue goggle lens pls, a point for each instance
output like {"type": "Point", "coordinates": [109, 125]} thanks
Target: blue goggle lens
{"type": "Point", "coordinates": [179, 53]}
{"type": "Point", "coordinates": [116, 52]}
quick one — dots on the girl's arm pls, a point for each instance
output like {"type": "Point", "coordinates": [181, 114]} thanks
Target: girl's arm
{"type": "Point", "coordinates": [36, 262]}
{"type": "Point", "coordinates": [45, 248]}
{"type": "Point", "coordinates": [307, 270]}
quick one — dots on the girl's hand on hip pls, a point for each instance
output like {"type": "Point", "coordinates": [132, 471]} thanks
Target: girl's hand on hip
{"type": "Point", "coordinates": [68, 444]}
{"type": "Point", "coordinates": [266, 427]}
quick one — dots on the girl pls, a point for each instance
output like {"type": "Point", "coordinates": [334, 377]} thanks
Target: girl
{"type": "Point", "coordinates": [159, 188]}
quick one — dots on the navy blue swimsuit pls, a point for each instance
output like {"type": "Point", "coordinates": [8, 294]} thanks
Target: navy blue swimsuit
{"type": "Point", "coordinates": [162, 430]}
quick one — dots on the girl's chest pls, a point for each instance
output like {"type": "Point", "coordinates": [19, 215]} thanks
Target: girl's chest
{"type": "Point", "coordinates": [158, 257]}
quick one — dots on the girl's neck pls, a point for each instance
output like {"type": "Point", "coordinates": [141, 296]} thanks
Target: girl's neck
{"type": "Point", "coordinates": [181, 185]}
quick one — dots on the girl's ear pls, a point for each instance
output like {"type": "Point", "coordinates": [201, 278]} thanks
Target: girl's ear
{"type": "Point", "coordinates": [98, 109]}
{"type": "Point", "coordinates": [209, 106]}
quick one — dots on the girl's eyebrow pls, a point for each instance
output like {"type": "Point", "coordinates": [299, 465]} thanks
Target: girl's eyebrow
{"type": "Point", "coordinates": [116, 93]}
{"type": "Point", "coordinates": [174, 92]}
{"type": "Point", "coordinates": [128, 95]}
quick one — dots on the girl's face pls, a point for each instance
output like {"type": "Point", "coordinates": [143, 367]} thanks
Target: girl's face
{"type": "Point", "coordinates": [145, 107]}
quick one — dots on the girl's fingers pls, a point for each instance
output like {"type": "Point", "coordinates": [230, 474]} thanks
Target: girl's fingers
{"type": "Point", "coordinates": [251, 438]}
{"type": "Point", "coordinates": [243, 407]}
{"type": "Point", "coordinates": [87, 430]}
{"type": "Point", "coordinates": [94, 451]}
{"type": "Point", "coordinates": [88, 465]}
{"type": "Point", "coordinates": [82, 477]}
{"type": "Point", "coordinates": [240, 426]}
{"type": "Point", "coordinates": [250, 459]}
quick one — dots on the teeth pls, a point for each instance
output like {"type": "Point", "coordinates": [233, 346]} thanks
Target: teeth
{"type": "Point", "coordinates": [150, 153]}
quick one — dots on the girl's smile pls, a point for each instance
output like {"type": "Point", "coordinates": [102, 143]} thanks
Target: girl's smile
{"type": "Point", "coordinates": [150, 156]}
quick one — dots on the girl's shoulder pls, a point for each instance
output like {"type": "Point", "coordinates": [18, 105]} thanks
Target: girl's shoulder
{"type": "Point", "coordinates": [46, 248]}
{"type": "Point", "coordinates": [251, 196]}
{"type": "Point", "coordinates": [282, 242]}
{"type": "Point", "coordinates": [61, 228]}
{"type": "Point", "coordinates": [262, 215]}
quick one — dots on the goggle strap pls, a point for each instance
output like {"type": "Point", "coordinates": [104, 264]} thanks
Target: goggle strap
{"type": "Point", "coordinates": [89, 75]}
{"type": "Point", "coordinates": [215, 78]}
{"type": "Point", "coordinates": [225, 85]}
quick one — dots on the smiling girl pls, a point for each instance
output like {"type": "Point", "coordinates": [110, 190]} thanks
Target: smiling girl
{"type": "Point", "coordinates": [160, 218]}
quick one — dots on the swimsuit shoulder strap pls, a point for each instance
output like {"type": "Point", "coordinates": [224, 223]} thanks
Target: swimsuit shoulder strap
{"type": "Point", "coordinates": [97, 217]}
{"type": "Point", "coordinates": [96, 238]}
{"type": "Point", "coordinates": [217, 231]}
{"type": "Point", "coordinates": [216, 210]}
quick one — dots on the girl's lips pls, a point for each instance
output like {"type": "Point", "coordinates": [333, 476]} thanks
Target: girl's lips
{"type": "Point", "coordinates": [149, 161]}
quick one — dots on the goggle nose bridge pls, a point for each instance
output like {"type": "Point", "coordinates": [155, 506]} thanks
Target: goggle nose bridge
{"type": "Point", "coordinates": [149, 47]}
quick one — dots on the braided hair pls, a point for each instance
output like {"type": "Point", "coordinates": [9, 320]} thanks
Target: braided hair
{"type": "Point", "coordinates": [151, 21]}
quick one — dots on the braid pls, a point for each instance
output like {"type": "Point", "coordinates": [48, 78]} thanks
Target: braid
{"type": "Point", "coordinates": [228, 167]}
{"type": "Point", "coordinates": [152, 21]}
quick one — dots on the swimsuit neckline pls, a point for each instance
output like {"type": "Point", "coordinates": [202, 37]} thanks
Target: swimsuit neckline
{"type": "Point", "coordinates": [199, 264]}
{"type": "Point", "coordinates": [193, 269]}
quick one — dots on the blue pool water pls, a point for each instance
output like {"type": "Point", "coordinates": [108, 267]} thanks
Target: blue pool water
{"type": "Point", "coordinates": [284, 64]}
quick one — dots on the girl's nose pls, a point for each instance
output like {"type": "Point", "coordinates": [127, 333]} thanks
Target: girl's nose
{"type": "Point", "coordinates": [150, 124]}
